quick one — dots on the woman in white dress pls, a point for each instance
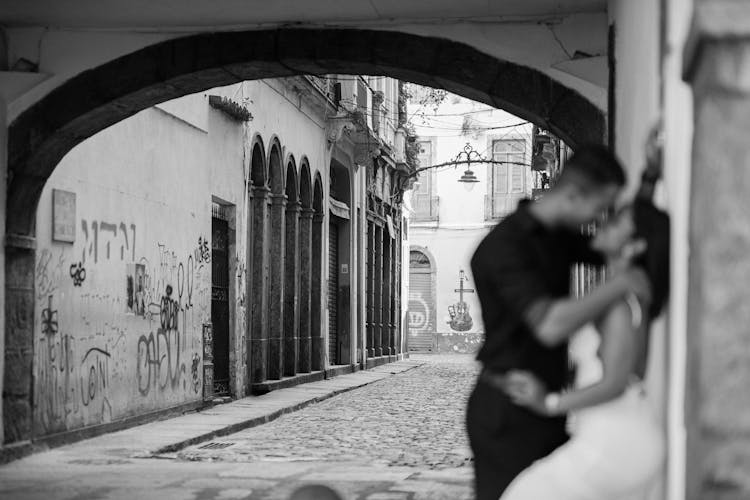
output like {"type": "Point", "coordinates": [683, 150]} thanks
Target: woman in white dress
{"type": "Point", "coordinates": [617, 448]}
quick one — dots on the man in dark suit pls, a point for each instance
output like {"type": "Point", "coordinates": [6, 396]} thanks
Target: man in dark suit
{"type": "Point", "coordinates": [522, 275]}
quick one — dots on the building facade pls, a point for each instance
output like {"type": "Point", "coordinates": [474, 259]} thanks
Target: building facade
{"type": "Point", "coordinates": [218, 245]}
{"type": "Point", "coordinates": [448, 220]}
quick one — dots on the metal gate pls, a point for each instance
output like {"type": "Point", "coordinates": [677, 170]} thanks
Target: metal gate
{"type": "Point", "coordinates": [220, 299]}
{"type": "Point", "coordinates": [421, 312]}
{"type": "Point", "coordinates": [333, 292]}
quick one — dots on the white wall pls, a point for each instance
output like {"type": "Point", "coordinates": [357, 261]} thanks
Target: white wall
{"type": "Point", "coordinates": [141, 200]}
{"type": "Point", "coordinates": [678, 139]}
{"type": "Point", "coordinates": [461, 223]}
{"type": "Point", "coordinates": [144, 189]}
{"type": "Point", "coordinates": [639, 82]}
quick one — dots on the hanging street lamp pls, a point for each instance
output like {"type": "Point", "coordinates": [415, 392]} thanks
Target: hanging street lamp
{"type": "Point", "coordinates": [466, 157]}
{"type": "Point", "coordinates": [468, 179]}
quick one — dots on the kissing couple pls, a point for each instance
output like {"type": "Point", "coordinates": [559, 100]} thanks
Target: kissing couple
{"type": "Point", "coordinates": [516, 415]}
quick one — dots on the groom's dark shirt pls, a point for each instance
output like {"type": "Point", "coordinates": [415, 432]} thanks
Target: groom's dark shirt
{"type": "Point", "coordinates": [519, 268]}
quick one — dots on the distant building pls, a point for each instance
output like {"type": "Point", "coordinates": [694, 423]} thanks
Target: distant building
{"type": "Point", "coordinates": [447, 221]}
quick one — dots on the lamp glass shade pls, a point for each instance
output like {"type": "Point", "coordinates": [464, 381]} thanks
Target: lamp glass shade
{"type": "Point", "coordinates": [468, 180]}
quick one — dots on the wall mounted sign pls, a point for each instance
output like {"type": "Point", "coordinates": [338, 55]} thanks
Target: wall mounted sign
{"type": "Point", "coordinates": [63, 216]}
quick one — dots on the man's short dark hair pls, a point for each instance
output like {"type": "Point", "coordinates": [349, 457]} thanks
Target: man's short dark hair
{"type": "Point", "coordinates": [592, 167]}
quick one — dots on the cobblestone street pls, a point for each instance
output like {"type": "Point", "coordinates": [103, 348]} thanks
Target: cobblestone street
{"type": "Point", "coordinates": [414, 419]}
{"type": "Point", "coordinates": [402, 437]}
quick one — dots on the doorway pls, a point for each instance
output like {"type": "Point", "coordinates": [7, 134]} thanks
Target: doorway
{"type": "Point", "coordinates": [220, 298]}
{"type": "Point", "coordinates": [421, 313]}
{"type": "Point", "coordinates": [333, 293]}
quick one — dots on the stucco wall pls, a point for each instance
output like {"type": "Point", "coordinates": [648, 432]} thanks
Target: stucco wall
{"type": "Point", "coordinates": [103, 349]}
{"type": "Point", "coordinates": [639, 59]}
{"type": "Point", "coordinates": [461, 223]}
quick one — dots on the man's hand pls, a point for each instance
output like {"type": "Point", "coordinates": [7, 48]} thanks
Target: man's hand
{"type": "Point", "coordinates": [525, 389]}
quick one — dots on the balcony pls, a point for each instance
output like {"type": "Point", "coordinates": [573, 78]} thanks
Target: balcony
{"type": "Point", "coordinates": [325, 85]}
{"type": "Point", "coordinates": [426, 208]}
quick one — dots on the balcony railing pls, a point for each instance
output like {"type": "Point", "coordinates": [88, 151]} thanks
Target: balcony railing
{"type": "Point", "coordinates": [426, 208]}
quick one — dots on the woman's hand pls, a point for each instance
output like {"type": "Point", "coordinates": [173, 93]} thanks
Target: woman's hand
{"type": "Point", "coordinates": [526, 390]}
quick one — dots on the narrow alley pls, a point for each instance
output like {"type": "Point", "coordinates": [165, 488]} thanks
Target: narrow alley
{"type": "Point", "coordinates": [401, 437]}
{"type": "Point", "coordinates": [238, 240]}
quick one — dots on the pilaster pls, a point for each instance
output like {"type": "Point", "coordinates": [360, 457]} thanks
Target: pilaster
{"type": "Point", "coordinates": [276, 286]}
{"type": "Point", "coordinates": [305, 276]}
{"type": "Point", "coordinates": [19, 333]}
{"type": "Point", "coordinates": [291, 290]}
{"type": "Point", "coordinates": [316, 308]}
{"type": "Point", "coordinates": [258, 276]}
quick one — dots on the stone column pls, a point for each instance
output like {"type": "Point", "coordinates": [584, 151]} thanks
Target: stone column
{"type": "Point", "coordinates": [276, 287]}
{"type": "Point", "coordinates": [305, 276]}
{"type": "Point", "coordinates": [258, 276]}
{"type": "Point", "coordinates": [378, 284]}
{"type": "Point", "coordinates": [718, 342]}
{"type": "Point", "coordinates": [316, 302]}
{"type": "Point", "coordinates": [19, 333]}
{"type": "Point", "coordinates": [291, 291]}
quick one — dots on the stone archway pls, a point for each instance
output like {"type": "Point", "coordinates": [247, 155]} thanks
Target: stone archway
{"type": "Point", "coordinates": [100, 97]}
{"type": "Point", "coordinates": [95, 99]}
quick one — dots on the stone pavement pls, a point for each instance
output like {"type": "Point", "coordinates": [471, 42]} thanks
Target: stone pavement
{"type": "Point", "coordinates": [397, 437]}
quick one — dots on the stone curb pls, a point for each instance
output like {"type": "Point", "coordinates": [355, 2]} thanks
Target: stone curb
{"type": "Point", "coordinates": [269, 417]}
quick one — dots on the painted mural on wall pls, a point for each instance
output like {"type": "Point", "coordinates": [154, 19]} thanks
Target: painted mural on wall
{"type": "Point", "coordinates": [460, 318]}
{"type": "Point", "coordinates": [419, 314]}
{"type": "Point", "coordinates": [119, 323]}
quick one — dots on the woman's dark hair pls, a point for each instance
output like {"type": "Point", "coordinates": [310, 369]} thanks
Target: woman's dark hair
{"type": "Point", "coordinates": [652, 224]}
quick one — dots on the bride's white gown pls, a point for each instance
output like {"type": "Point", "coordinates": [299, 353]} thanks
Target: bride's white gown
{"type": "Point", "coordinates": [616, 449]}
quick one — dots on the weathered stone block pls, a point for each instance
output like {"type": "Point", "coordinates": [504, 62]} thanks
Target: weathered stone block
{"type": "Point", "coordinates": [19, 318]}
{"type": "Point", "coordinates": [275, 358]}
{"type": "Point", "coordinates": [718, 312]}
{"type": "Point", "coordinates": [16, 419]}
{"type": "Point", "coordinates": [318, 359]}
{"type": "Point", "coordinates": [407, 58]}
{"type": "Point", "coordinates": [18, 372]}
{"type": "Point", "coordinates": [258, 360]}
{"type": "Point", "coordinates": [726, 469]}
{"type": "Point", "coordinates": [19, 269]}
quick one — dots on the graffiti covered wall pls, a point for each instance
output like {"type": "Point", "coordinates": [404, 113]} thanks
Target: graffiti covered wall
{"type": "Point", "coordinates": [123, 262]}
{"type": "Point", "coordinates": [123, 276]}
